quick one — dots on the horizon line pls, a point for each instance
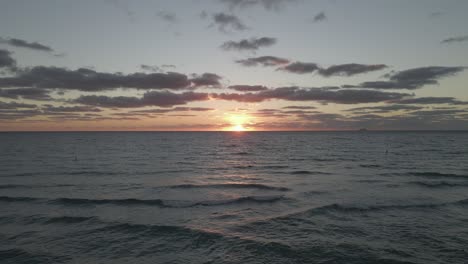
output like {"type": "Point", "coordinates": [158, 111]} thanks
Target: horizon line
{"type": "Point", "coordinates": [238, 132]}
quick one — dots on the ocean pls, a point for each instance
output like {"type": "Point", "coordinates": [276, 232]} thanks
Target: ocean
{"type": "Point", "coordinates": [234, 197]}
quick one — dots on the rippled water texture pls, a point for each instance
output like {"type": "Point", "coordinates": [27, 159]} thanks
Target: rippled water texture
{"type": "Point", "coordinates": [328, 197]}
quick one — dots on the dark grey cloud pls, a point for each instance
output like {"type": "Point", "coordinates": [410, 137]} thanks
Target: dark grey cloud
{"type": "Point", "coordinates": [175, 109]}
{"type": "Point", "coordinates": [384, 108]}
{"type": "Point", "coordinates": [90, 80]}
{"type": "Point", "coordinates": [413, 78]}
{"type": "Point", "coordinates": [68, 109]}
{"type": "Point", "coordinates": [15, 114]}
{"type": "Point", "coordinates": [248, 88]}
{"type": "Point", "coordinates": [24, 44]}
{"type": "Point", "coordinates": [25, 93]}
{"type": "Point", "coordinates": [206, 79]}
{"type": "Point", "coordinates": [435, 14]}
{"type": "Point", "coordinates": [301, 67]}
{"type": "Point", "coordinates": [300, 107]}
{"type": "Point", "coordinates": [300, 112]}
{"type": "Point", "coordinates": [151, 68]}
{"type": "Point", "coordinates": [432, 100]}
{"type": "Point", "coordinates": [226, 22]}
{"type": "Point", "coordinates": [124, 7]}
{"type": "Point", "coordinates": [167, 16]}
{"type": "Point", "coordinates": [15, 105]}
{"type": "Point", "coordinates": [275, 5]}
{"type": "Point", "coordinates": [421, 120]}
{"type": "Point", "coordinates": [438, 112]}
{"type": "Point", "coordinates": [168, 99]}
{"type": "Point", "coordinates": [155, 68]}
{"type": "Point", "coordinates": [313, 94]}
{"type": "Point", "coordinates": [152, 98]}
{"type": "Point", "coordinates": [455, 39]}
{"type": "Point", "coordinates": [6, 60]}
{"type": "Point", "coordinates": [320, 17]}
{"type": "Point", "coordinates": [350, 69]}
{"type": "Point", "coordinates": [252, 44]}
{"type": "Point", "coordinates": [263, 61]}
{"type": "Point", "coordinates": [440, 119]}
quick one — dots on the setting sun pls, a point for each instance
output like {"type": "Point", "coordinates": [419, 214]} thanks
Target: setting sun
{"type": "Point", "coordinates": [238, 122]}
{"type": "Point", "coordinates": [238, 128]}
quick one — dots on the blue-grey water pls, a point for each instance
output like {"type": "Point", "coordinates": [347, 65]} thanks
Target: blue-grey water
{"type": "Point", "coordinates": [279, 197]}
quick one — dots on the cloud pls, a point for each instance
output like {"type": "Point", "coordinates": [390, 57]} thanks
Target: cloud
{"type": "Point", "coordinates": [14, 114]}
{"type": "Point", "coordinates": [6, 61]}
{"type": "Point", "coordinates": [252, 44]}
{"type": "Point", "coordinates": [155, 68]}
{"type": "Point", "coordinates": [123, 6]}
{"type": "Point", "coordinates": [15, 105]}
{"type": "Point", "coordinates": [263, 61]}
{"type": "Point", "coordinates": [206, 79]}
{"type": "Point", "coordinates": [301, 67]}
{"type": "Point", "coordinates": [25, 93]}
{"type": "Point", "coordinates": [90, 81]}
{"type": "Point", "coordinates": [169, 99]}
{"type": "Point", "coordinates": [248, 88]}
{"type": "Point", "coordinates": [432, 100]}
{"type": "Point", "coordinates": [350, 69]}
{"type": "Point", "coordinates": [300, 107]}
{"type": "Point", "coordinates": [435, 14]}
{"type": "Point", "coordinates": [267, 4]}
{"type": "Point", "coordinates": [152, 98]}
{"type": "Point", "coordinates": [226, 22]}
{"type": "Point", "coordinates": [167, 16]}
{"type": "Point", "coordinates": [24, 44]}
{"type": "Point", "coordinates": [455, 39]}
{"type": "Point", "coordinates": [175, 109]}
{"type": "Point", "coordinates": [421, 120]}
{"type": "Point", "coordinates": [334, 70]}
{"type": "Point", "coordinates": [69, 109]}
{"type": "Point", "coordinates": [313, 94]}
{"type": "Point", "coordinates": [384, 108]}
{"type": "Point", "coordinates": [413, 78]}
{"type": "Point", "coordinates": [320, 17]}
{"type": "Point", "coordinates": [151, 68]}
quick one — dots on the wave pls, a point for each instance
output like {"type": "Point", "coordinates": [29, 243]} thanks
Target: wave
{"type": "Point", "coordinates": [24, 174]}
{"type": "Point", "coordinates": [429, 175]}
{"type": "Point", "coordinates": [370, 181]}
{"type": "Point", "coordinates": [168, 203]}
{"type": "Point", "coordinates": [11, 186]}
{"type": "Point", "coordinates": [22, 186]}
{"type": "Point", "coordinates": [94, 173]}
{"type": "Point", "coordinates": [298, 172]}
{"type": "Point", "coordinates": [229, 185]}
{"type": "Point", "coordinates": [246, 199]}
{"type": "Point", "coordinates": [69, 219]}
{"type": "Point", "coordinates": [437, 175]}
{"type": "Point", "coordinates": [345, 208]}
{"type": "Point", "coordinates": [370, 166]}
{"type": "Point", "coordinates": [129, 201]}
{"type": "Point", "coordinates": [18, 255]}
{"type": "Point", "coordinates": [242, 153]}
{"type": "Point", "coordinates": [439, 184]}
{"type": "Point", "coordinates": [17, 199]}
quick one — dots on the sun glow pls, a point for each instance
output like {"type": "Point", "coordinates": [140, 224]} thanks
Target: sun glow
{"type": "Point", "coordinates": [238, 122]}
{"type": "Point", "coordinates": [238, 128]}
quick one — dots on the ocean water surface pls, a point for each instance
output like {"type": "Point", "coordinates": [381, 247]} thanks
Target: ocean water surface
{"type": "Point", "coordinates": [222, 197]}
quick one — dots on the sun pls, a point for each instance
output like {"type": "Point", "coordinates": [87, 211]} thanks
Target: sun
{"type": "Point", "coordinates": [239, 122]}
{"type": "Point", "coordinates": [238, 128]}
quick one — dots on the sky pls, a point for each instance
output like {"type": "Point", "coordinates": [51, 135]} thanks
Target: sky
{"type": "Point", "coordinates": [254, 65]}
